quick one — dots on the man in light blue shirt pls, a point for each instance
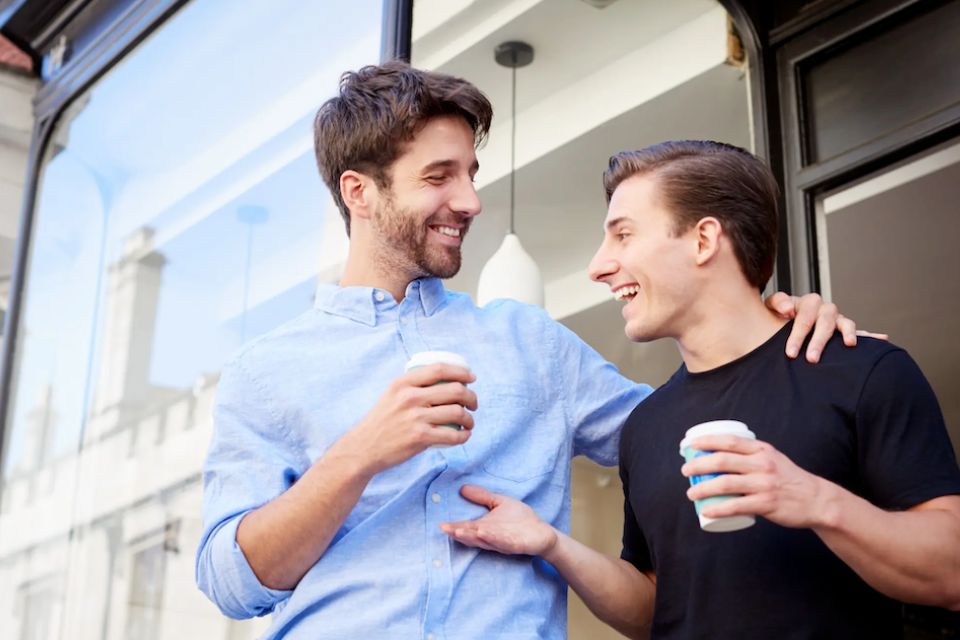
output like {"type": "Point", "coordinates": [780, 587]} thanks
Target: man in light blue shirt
{"type": "Point", "coordinates": [323, 487]}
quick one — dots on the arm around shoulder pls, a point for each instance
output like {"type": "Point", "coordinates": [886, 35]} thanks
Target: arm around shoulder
{"type": "Point", "coordinates": [596, 397]}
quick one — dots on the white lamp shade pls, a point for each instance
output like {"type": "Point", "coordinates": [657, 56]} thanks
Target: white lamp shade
{"type": "Point", "coordinates": [510, 273]}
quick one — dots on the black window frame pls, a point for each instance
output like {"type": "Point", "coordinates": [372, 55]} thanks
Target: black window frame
{"type": "Point", "coordinates": [804, 178]}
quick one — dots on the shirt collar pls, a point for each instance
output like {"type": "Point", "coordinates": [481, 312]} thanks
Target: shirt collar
{"type": "Point", "coordinates": [361, 303]}
{"type": "Point", "coordinates": [432, 294]}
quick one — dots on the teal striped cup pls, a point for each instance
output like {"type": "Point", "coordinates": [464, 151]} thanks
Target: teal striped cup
{"type": "Point", "coordinates": [715, 427]}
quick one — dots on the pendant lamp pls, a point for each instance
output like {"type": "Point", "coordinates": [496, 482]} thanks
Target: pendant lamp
{"type": "Point", "coordinates": [511, 272]}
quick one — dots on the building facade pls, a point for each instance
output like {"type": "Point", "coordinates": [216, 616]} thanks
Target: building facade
{"type": "Point", "coordinates": [17, 87]}
{"type": "Point", "coordinates": [170, 210]}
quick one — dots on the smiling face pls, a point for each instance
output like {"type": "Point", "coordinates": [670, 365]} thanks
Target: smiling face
{"type": "Point", "coordinates": [647, 266]}
{"type": "Point", "coordinates": [421, 220]}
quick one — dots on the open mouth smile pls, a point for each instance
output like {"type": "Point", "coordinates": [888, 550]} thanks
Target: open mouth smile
{"type": "Point", "coordinates": [448, 235]}
{"type": "Point", "coordinates": [627, 292]}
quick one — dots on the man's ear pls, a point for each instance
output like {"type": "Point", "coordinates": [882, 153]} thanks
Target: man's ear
{"type": "Point", "coordinates": [707, 233]}
{"type": "Point", "coordinates": [359, 193]}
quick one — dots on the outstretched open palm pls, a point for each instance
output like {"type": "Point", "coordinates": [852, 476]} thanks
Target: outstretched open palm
{"type": "Point", "coordinates": [510, 527]}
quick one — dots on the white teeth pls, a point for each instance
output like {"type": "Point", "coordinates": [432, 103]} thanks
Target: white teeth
{"type": "Point", "coordinates": [449, 231]}
{"type": "Point", "coordinates": [623, 292]}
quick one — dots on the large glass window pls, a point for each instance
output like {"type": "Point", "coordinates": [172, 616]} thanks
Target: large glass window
{"type": "Point", "coordinates": [179, 214]}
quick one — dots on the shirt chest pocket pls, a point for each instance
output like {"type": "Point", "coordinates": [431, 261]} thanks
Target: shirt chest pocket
{"type": "Point", "coordinates": [515, 436]}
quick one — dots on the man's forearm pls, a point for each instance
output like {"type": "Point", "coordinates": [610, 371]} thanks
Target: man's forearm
{"type": "Point", "coordinates": [613, 589]}
{"type": "Point", "coordinates": [284, 538]}
{"type": "Point", "coordinates": [912, 555]}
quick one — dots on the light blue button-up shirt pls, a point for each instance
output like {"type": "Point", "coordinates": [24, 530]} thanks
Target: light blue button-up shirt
{"type": "Point", "coordinates": [390, 572]}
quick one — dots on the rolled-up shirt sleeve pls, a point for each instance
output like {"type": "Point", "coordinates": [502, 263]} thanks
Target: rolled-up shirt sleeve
{"type": "Point", "coordinates": [251, 460]}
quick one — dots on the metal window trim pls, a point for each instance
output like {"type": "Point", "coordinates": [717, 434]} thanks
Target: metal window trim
{"type": "Point", "coordinates": [397, 30]}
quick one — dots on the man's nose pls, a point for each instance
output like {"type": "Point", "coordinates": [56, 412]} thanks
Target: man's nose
{"type": "Point", "coordinates": [465, 200]}
{"type": "Point", "coordinates": [601, 266]}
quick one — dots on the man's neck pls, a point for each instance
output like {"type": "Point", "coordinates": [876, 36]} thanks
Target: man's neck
{"type": "Point", "coordinates": [370, 273]}
{"type": "Point", "coordinates": [728, 327]}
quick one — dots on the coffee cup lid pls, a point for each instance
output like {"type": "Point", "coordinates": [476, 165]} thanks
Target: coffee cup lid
{"type": "Point", "coordinates": [714, 427]}
{"type": "Point", "coordinates": [424, 358]}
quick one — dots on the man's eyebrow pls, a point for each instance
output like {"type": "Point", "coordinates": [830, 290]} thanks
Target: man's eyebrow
{"type": "Point", "coordinates": [447, 164]}
{"type": "Point", "coordinates": [612, 223]}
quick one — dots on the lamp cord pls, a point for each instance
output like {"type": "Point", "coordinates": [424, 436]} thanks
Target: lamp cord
{"type": "Point", "coordinates": [513, 134]}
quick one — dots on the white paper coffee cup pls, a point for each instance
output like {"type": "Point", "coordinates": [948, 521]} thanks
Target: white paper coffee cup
{"type": "Point", "coordinates": [425, 358]}
{"type": "Point", "coordinates": [715, 427]}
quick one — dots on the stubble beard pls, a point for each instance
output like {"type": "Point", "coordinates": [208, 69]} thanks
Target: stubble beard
{"type": "Point", "coordinates": [404, 237]}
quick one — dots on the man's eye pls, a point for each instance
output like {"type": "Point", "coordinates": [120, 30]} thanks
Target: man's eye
{"type": "Point", "coordinates": [436, 178]}
{"type": "Point", "coordinates": [622, 236]}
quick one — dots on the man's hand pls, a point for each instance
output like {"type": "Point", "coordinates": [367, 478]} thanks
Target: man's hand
{"type": "Point", "coordinates": [771, 484]}
{"type": "Point", "coordinates": [410, 415]}
{"type": "Point", "coordinates": [613, 589]}
{"type": "Point", "coordinates": [811, 312]}
{"type": "Point", "coordinates": [908, 555]}
{"type": "Point", "coordinates": [511, 527]}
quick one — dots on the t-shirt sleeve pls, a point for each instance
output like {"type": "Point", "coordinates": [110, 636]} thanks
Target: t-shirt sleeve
{"type": "Point", "coordinates": [904, 451]}
{"type": "Point", "coordinates": [635, 550]}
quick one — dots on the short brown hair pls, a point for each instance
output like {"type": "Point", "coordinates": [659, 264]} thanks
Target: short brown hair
{"type": "Point", "coordinates": [700, 178]}
{"type": "Point", "coordinates": [378, 110]}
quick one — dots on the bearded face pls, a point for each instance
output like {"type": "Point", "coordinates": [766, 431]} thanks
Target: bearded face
{"type": "Point", "coordinates": [409, 239]}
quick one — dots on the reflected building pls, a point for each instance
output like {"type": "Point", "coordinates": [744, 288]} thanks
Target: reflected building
{"type": "Point", "coordinates": [126, 541]}
{"type": "Point", "coordinates": [17, 89]}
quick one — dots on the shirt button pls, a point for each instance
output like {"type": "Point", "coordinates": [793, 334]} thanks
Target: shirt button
{"type": "Point", "coordinates": [403, 321]}
{"type": "Point", "coordinates": [435, 497]}
{"type": "Point", "coordinates": [379, 296]}
{"type": "Point", "coordinates": [437, 563]}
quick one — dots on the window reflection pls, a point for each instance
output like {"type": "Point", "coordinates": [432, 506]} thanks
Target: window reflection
{"type": "Point", "coordinates": [179, 214]}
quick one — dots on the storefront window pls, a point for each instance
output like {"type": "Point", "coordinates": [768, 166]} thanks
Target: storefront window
{"type": "Point", "coordinates": [179, 214]}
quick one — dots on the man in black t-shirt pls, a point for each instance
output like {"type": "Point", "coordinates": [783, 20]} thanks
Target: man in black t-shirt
{"type": "Point", "coordinates": [852, 470]}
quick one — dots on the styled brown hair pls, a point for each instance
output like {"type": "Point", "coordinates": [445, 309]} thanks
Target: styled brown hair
{"type": "Point", "coordinates": [700, 178]}
{"type": "Point", "coordinates": [379, 109]}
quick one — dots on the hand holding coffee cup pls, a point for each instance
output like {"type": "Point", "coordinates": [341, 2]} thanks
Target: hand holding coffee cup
{"type": "Point", "coordinates": [732, 464]}
{"type": "Point", "coordinates": [403, 422]}
{"type": "Point", "coordinates": [426, 358]}
{"type": "Point", "coordinates": [715, 427]}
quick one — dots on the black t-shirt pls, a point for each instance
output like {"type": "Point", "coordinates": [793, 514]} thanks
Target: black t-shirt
{"type": "Point", "coordinates": [864, 418]}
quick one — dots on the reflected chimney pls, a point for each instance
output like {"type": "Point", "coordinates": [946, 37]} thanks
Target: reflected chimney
{"type": "Point", "coordinates": [133, 292]}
